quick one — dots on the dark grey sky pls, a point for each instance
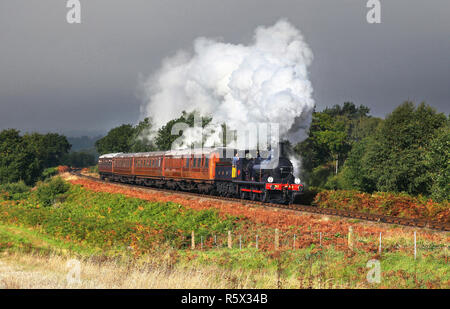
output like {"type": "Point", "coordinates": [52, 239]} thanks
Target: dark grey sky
{"type": "Point", "coordinates": [83, 79]}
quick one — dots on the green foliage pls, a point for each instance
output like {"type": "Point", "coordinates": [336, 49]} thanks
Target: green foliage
{"type": "Point", "coordinates": [165, 138]}
{"type": "Point", "coordinates": [79, 159]}
{"type": "Point", "coordinates": [407, 152]}
{"type": "Point", "coordinates": [395, 159]}
{"type": "Point", "coordinates": [51, 191]}
{"type": "Point", "coordinates": [94, 169]}
{"type": "Point", "coordinates": [49, 172]}
{"type": "Point", "coordinates": [25, 157]}
{"type": "Point", "coordinates": [14, 191]}
{"type": "Point", "coordinates": [49, 148]}
{"type": "Point", "coordinates": [127, 138]}
{"type": "Point", "coordinates": [112, 220]}
{"type": "Point", "coordinates": [117, 140]}
{"type": "Point", "coordinates": [438, 162]}
{"type": "Point", "coordinates": [354, 173]}
{"type": "Point", "coordinates": [331, 136]}
{"type": "Point", "coordinates": [141, 141]}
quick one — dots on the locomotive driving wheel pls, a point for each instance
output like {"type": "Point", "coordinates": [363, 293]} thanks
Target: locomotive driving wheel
{"type": "Point", "coordinates": [264, 197]}
{"type": "Point", "coordinates": [253, 196]}
{"type": "Point", "coordinates": [243, 195]}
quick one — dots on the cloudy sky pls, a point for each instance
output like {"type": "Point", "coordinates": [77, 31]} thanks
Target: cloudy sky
{"type": "Point", "coordinates": [83, 79]}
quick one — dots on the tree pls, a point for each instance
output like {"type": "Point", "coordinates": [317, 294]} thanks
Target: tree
{"type": "Point", "coordinates": [79, 159]}
{"type": "Point", "coordinates": [331, 136]}
{"type": "Point", "coordinates": [117, 140]}
{"type": "Point", "coordinates": [25, 157]}
{"type": "Point", "coordinates": [141, 140]}
{"type": "Point", "coordinates": [49, 148]}
{"type": "Point", "coordinates": [396, 158]}
{"type": "Point", "coordinates": [438, 161]}
{"type": "Point", "coordinates": [165, 138]}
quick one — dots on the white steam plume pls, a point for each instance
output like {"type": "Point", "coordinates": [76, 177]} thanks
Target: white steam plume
{"type": "Point", "coordinates": [263, 82]}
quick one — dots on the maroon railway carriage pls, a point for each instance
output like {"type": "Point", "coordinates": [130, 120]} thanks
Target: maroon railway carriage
{"type": "Point", "coordinates": [206, 171]}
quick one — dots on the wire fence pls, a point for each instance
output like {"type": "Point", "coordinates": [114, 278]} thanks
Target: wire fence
{"type": "Point", "coordinates": [286, 241]}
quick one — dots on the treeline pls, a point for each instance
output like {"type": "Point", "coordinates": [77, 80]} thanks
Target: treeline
{"type": "Point", "coordinates": [26, 157]}
{"type": "Point", "coordinates": [407, 152]}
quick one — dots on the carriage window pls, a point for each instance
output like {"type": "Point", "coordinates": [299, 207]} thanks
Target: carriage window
{"type": "Point", "coordinates": [206, 162]}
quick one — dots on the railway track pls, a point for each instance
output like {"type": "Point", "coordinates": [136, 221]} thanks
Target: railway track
{"type": "Point", "coordinates": [420, 223]}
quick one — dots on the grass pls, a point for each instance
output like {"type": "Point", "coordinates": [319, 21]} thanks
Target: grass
{"type": "Point", "coordinates": [126, 242]}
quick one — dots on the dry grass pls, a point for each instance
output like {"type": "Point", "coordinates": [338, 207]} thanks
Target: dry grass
{"type": "Point", "coordinates": [30, 271]}
{"type": "Point", "coordinates": [49, 272]}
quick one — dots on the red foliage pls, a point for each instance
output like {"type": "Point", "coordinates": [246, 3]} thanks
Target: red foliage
{"type": "Point", "coordinates": [382, 203]}
{"type": "Point", "coordinates": [63, 169]}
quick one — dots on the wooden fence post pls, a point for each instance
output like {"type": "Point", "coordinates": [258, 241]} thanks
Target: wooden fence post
{"type": "Point", "coordinates": [193, 241]}
{"type": "Point", "coordinates": [229, 240]}
{"type": "Point", "coordinates": [415, 246]}
{"type": "Point", "coordinates": [320, 239]}
{"type": "Point", "coordinates": [379, 247]}
{"type": "Point", "coordinates": [277, 239]}
{"type": "Point", "coordinates": [350, 238]}
{"type": "Point", "coordinates": [256, 241]}
{"type": "Point", "coordinates": [293, 246]}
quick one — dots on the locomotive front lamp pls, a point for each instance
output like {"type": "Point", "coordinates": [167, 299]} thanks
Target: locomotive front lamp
{"type": "Point", "coordinates": [297, 181]}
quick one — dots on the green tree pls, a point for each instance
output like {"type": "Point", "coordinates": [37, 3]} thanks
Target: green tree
{"type": "Point", "coordinates": [165, 138]}
{"type": "Point", "coordinates": [118, 139]}
{"type": "Point", "coordinates": [49, 149]}
{"type": "Point", "coordinates": [25, 157]}
{"type": "Point", "coordinates": [15, 158]}
{"type": "Point", "coordinates": [438, 159]}
{"type": "Point", "coordinates": [141, 142]}
{"type": "Point", "coordinates": [396, 158]}
{"type": "Point", "coordinates": [79, 159]}
{"type": "Point", "coordinates": [331, 136]}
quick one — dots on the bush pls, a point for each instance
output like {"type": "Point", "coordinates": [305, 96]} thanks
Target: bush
{"type": "Point", "coordinates": [51, 191]}
{"type": "Point", "coordinates": [14, 191]}
{"type": "Point", "coordinates": [94, 169]}
{"type": "Point", "coordinates": [384, 203]}
{"type": "Point", "coordinates": [49, 173]}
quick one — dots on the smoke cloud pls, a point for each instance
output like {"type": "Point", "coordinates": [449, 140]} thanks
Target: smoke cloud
{"type": "Point", "coordinates": [265, 81]}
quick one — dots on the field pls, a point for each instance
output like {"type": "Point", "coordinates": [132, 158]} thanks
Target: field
{"type": "Point", "coordinates": [136, 238]}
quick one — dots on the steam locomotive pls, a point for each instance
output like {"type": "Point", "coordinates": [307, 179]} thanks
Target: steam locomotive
{"type": "Point", "coordinates": [216, 171]}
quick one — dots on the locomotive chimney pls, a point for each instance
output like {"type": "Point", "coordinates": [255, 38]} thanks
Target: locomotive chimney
{"type": "Point", "coordinates": [284, 148]}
